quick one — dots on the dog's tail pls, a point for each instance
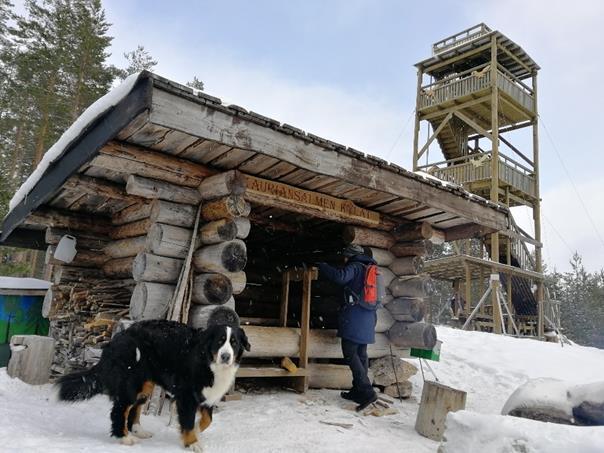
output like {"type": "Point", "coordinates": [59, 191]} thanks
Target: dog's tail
{"type": "Point", "coordinates": [80, 385]}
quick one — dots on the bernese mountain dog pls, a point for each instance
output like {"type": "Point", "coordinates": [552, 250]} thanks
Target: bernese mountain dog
{"type": "Point", "coordinates": [196, 366]}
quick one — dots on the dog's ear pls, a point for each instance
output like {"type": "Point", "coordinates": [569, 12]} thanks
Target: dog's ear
{"type": "Point", "coordinates": [243, 339]}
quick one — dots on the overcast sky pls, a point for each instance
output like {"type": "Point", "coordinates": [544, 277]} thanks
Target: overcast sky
{"type": "Point", "coordinates": [343, 69]}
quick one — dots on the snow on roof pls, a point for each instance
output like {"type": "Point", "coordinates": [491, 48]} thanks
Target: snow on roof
{"type": "Point", "coordinates": [98, 108]}
{"type": "Point", "coordinates": [23, 283]}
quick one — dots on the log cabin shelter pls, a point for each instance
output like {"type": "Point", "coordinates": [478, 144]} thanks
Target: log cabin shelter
{"type": "Point", "coordinates": [135, 170]}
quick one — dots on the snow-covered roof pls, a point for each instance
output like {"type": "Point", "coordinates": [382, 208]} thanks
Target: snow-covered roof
{"type": "Point", "coordinates": [97, 109]}
{"type": "Point", "coordinates": [23, 283]}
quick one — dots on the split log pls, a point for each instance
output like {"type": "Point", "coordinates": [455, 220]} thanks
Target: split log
{"type": "Point", "coordinates": [414, 248]}
{"type": "Point", "coordinates": [387, 276]}
{"type": "Point", "coordinates": [387, 370]}
{"type": "Point", "coordinates": [126, 247]}
{"type": "Point", "coordinates": [119, 268]}
{"type": "Point", "coordinates": [218, 231]}
{"type": "Point", "coordinates": [381, 257]}
{"type": "Point", "coordinates": [83, 258]}
{"type": "Point", "coordinates": [222, 184]}
{"type": "Point", "coordinates": [210, 289]}
{"type": "Point", "coordinates": [132, 213]}
{"type": "Point", "coordinates": [412, 335]}
{"type": "Point", "coordinates": [132, 229]}
{"type": "Point", "coordinates": [177, 214]}
{"type": "Point", "coordinates": [226, 208]}
{"type": "Point", "coordinates": [153, 268]}
{"type": "Point", "coordinates": [169, 240]}
{"type": "Point", "coordinates": [367, 237]}
{"type": "Point", "coordinates": [323, 343]}
{"type": "Point", "coordinates": [83, 240]}
{"type": "Point", "coordinates": [412, 286]}
{"type": "Point", "coordinates": [408, 309]}
{"type": "Point", "coordinates": [238, 281]}
{"type": "Point", "coordinates": [225, 257]}
{"type": "Point", "coordinates": [153, 189]}
{"type": "Point", "coordinates": [413, 232]}
{"type": "Point", "coordinates": [384, 320]}
{"type": "Point", "coordinates": [329, 376]}
{"type": "Point", "coordinates": [150, 301]}
{"type": "Point", "coordinates": [407, 265]}
{"type": "Point", "coordinates": [437, 401]}
{"type": "Point", "coordinates": [243, 227]}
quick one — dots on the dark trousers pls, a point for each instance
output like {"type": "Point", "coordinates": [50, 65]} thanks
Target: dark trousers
{"type": "Point", "coordinates": [355, 356]}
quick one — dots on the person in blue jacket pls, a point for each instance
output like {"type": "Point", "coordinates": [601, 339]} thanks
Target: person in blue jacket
{"type": "Point", "coordinates": [356, 324]}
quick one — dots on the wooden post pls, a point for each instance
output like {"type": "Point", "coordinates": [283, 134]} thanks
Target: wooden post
{"type": "Point", "coordinates": [420, 76]}
{"type": "Point", "coordinates": [305, 328]}
{"type": "Point", "coordinates": [284, 300]}
{"type": "Point", "coordinates": [437, 401]}
{"type": "Point", "coordinates": [537, 214]}
{"type": "Point", "coordinates": [468, 305]}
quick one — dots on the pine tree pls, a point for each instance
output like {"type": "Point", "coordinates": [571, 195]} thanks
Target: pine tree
{"type": "Point", "coordinates": [196, 84]}
{"type": "Point", "coordinates": [138, 60]}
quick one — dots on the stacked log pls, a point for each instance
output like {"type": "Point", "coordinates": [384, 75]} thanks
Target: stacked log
{"type": "Point", "coordinates": [221, 256]}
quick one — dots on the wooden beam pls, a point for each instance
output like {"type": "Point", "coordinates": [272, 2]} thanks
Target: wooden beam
{"type": "Point", "coordinates": [470, 230]}
{"type": "Point", "coordinates": [289, 198]}
{"type": "Point", "coordinates": [206, 122]}
{"type": "Point", "coordinates": [131, 159]}
{"type": "Point", "coordinates": [461, 106]}
{"type": "Point", "coordinates": [69, 220]}
{"type": "Point", "coordinates": [516, 150]}
{"type": "Point", "coordinates": [435, 134]}
{"type": "Point", "coordinates": [473, 125]}
{"type": "Point", "coordinates": [97, 186]}
{"type": "Point", "coordinates": [462, 56]}
{"type": "Point", "coordinates": [514, 57]}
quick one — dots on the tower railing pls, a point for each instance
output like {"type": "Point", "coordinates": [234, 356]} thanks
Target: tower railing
{"type": "Point", "coordinates": [460, 38]}
{"type": "Point", "coordinates": [477, 167]}
{"type": "Point", "coordinates": [472, 81]}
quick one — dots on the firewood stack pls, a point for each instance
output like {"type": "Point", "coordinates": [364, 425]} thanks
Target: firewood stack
{"type": "Point", "coordinates": [222, 255]}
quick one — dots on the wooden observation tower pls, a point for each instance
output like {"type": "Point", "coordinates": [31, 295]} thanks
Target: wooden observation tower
{"type": "Point", "coordinates": [477, 94]}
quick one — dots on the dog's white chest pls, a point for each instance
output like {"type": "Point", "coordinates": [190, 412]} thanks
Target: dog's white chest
{"type": "Point", "coordinates": [223, 379]}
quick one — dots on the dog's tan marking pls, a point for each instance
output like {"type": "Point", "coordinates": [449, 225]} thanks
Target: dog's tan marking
{"type": "Point", "coordinates": [188, 437]}
{"type": "Point", "coordinates": [205, 419]}
{"type": "Point", "coordinates": [126, 413]}
{"type": "Point", "coordinates": [144, 394]}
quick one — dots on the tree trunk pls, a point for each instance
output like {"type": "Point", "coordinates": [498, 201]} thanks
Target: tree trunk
{"type": "Point", "coordinates": [177, 214]}
{"type": "Point", "coordinates": [414, 248]}
{"type": "Point", "coordinates": [407, 265]}
{"type": "Point", "coordinates": [238, 281]}
{"type": "Point", "coordinates": [384, 320]}
{"type": "Point", "coordinates": [225, 208]}
{"type": "Point", "coordinates": [200, 314]}
{"type": "Point", "coordinates": [412, 286]}
{"type": "Point", "coordinates": [153, 268]}
{"type": "Point", "coordinates": [323, 343]}
{"type": "Point", "coordinates": [412, 335]}
{"type": "Point", "coordinates": [125, 247]}
{"type": "Point", "coordinates": [118, 268]}
{"type": "Point", "coordinates": [408, 309]}
{"type": "Point", "coordinates": [413, 232]}
{"type": "Point", "coordinates": [211, 289]}
{"type": "Point", "coordinates": [154, 189]}
{"type": "Point", "coordinates": [150, 301]}
{"type": "Point", "coordinates": [218, 231]}
{"type": "Point", "coordinates": [132, 213]}
{"type": "Point", "coordinates": [84, 240]}
{"type": "Point", "coordinates": [382, 257]}
{"type": "Point", "coordinates": [367, 237]}
{"type": "Point", "coordinates": [437, 401]}
{"type": "Point", "coordinates": [243, 227]}
{"type": "Point", "coordinates": [169, 240]}
{"type": "Point", "coordinates": [222, 184]}
{"type": "Point", "coordinates": [83, 258]}
{"type": "Point", "coordinates": [132, 229]}
{"type": "Point", "coordinates": [225, 257]}
{"type": "Point", "coordinates": [329, 376]}
{"type": "Point", "coordinates": [387, 276]}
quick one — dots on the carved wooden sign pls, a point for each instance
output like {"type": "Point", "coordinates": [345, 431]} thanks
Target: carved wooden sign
{"type": "Point", "coordinates": [284, 196]}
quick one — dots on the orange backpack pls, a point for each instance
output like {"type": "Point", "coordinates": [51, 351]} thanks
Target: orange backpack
{"type": "Point", "coordinates": [373, 288]}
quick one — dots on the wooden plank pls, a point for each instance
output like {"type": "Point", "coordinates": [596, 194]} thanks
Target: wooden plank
{"type": "Point", "coordinates": [205, 122]}
{"type": "Point", "coordinates": [232, 158]}
{"type": "Point", "coordinates": [132, 159]}
{"type": "Point", "coordinates": [284, 300]}
{"type": "Point", "coordinates": [258, 164]}
{"type": "Point", "coordinates": [284, 196]}
{"type": "Point", "coordinates": [305, 326]}
{"type": "Point", "coordinates": [250, 371]}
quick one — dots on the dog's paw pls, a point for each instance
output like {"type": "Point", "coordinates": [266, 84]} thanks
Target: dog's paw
{"type": "Point", "coordinates": [139, 432]}
{"type": "Point", "coordinates": [128, 440]}
{"type": "Point", "coordinates": [196, 447]}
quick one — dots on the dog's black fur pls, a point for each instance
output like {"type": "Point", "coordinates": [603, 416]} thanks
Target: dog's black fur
{"type": "Point", "coordinates": [167, 353]}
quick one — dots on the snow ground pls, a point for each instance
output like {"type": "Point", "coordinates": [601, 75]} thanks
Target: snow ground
{"type": "Point", "coordinates": [488, 367]}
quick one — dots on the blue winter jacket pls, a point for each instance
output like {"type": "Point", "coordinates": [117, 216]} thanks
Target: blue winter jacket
{"type": "Point", "coordinates": [355, 323]}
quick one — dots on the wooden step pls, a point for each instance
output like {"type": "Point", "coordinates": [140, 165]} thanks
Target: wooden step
{"type": "Point", "coordinates": [267, 371]}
